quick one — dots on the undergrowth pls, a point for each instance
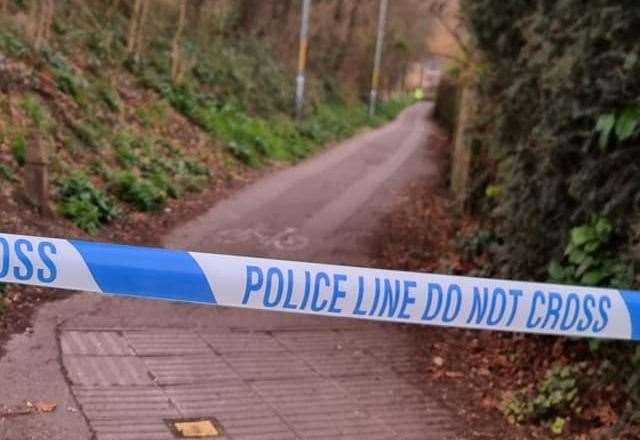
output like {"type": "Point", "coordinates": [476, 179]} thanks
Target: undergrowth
{"type": "Point", "coordinates": [119, 146]}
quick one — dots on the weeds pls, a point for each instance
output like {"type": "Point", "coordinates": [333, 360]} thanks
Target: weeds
{"type": "Point", "coordinates": [138, 191]}
{"type": "Point", "coordinates": [12, 45]}
{"type": "Point", "coordinates": [66, 79]}
{"type": "Point", "coordinates": [90, 133]}
{"type": "Point", "coordinates": [254, 139]}
{"type": "Point", "coordinates": [83, 204]}
{"type": "Point", "coordinates": [6, 173]}
{"type": "Point", "coordinates": [555, 398]}
{"type": "Point", "coordinates": [151, 115]}
{"type": "Point", "coordinates": [214, 96]}
{"type": "Point", "coordinates": [68, 83]}
{"type": "Point", "coordinates": [150, 177]}
{"type": "Point", "coordinates": [19, 149]}
{"type": "Point", "coordinates": [34, 109]}
{"type": "Point", "coordinates": [124, 144]}
{"type": "Point", "coordinates": [109, 95]}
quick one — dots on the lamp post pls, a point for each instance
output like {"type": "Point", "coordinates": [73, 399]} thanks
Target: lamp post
{"type": "Point", "coordinates": [302, 56]}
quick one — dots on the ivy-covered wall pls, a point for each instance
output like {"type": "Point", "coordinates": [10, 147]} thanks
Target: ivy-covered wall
{"type": "Point", "coordinates": [557, 144]}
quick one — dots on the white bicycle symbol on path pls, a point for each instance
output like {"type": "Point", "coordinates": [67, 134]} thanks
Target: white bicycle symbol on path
{"type": "Point", "coordinates": [287, 239]}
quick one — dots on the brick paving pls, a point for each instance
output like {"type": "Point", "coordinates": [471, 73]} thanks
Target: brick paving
{"type": "Point", "coordinates": [333, 383]}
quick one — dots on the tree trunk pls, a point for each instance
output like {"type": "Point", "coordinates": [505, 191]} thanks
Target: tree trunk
{"type": "Point", "coordinates": [342, 50]}
{"type": "Point", "coordinates": [247, 10]}
{"type": "Point", "coordinates": [48, 21]}
{"type": "Point", "coordinates": [286, 8]}
{"type": "Point", "coordinates": [338, 12]}
{"type": "Point", "coordinates": [175, 46]}
{"type": "Point", "coordinates": [133, 26]}
{"type": "Point", "coordinates": [41, 19]}
{"type": "Point", "coordinates": [113, 8]}
{"type": "Point", "coordinates": [140, 31]}
{"type": "Point", "coordinates": [195, 12]}
{"type": "Point", "coordinates": [33, 22]}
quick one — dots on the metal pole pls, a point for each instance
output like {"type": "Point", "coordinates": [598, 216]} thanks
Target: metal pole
{"type": "Point", "coordinates": [302, 56]}
{"type": "Point", "coordinates": [375, 77]}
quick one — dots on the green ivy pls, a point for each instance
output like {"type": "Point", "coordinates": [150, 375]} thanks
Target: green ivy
{"type": "Point", "coordinates": [624, 125]}
{"type": "Point", "coordinates": [591, 259]}
{"type": "Point", "coordinates": [557, 130]}
{"type": "Point", "coordinates": [556, 396]}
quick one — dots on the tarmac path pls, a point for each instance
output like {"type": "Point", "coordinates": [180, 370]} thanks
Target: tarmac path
{"type": "Point", "coordinates": [123, 369]}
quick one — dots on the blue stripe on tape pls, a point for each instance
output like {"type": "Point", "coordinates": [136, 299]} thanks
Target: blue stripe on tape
{"type": "Point", "coordinates": [146, 272]}
{"type": "Point", "coordinates": [632, 300]}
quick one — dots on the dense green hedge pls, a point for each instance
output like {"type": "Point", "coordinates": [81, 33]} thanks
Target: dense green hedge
{"type": "Point", "coordinates": [557, 143]}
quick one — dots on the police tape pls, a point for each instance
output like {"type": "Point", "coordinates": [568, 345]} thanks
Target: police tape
{"type": "Point", "coordinates": [320, 289]}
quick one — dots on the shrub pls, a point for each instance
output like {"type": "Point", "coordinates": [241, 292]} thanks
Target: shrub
{"type": "Point", "coordinates": [83, 204]}
{"type": "Point", "coordinates": [138, 191]}
{"type": "Point", "coordinates": [555, 397]}
{"type": "Point", "coordinates": [89, 133]}
{"type": "Point", "coordinates": [124, 144]}
{"type": "Point", "coordinates": [69, 83]}
{"type": "Point", "coordinates": [12, 45]}
{"type": "Point", "coordinates": [191, 175]}
{"type": "Point", "coordinates": [109, 95]}
{"type": "Point", "coordinates": [390, 108]}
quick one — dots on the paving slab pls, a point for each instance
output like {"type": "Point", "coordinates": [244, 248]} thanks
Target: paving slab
{"type": "Point", "coordinates": [176, 370]}
{"type": "Point", "coordinates": [247, 341]}
{"type": "Point", "coordinates": [105, 371]}
{"type": "Point", "coordinates": [94, 343]}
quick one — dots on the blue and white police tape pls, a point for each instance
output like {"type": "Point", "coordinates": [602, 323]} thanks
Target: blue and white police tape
{"type": "Point", "coordinates": [320, 289]}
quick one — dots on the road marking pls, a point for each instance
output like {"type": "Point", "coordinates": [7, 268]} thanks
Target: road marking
{"type": "Point", "coordinates": [286, 239]}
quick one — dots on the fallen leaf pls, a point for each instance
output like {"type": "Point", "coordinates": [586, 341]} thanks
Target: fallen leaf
{"type": "Point", "coordinates": [488, 402]}
{"type": "Point", "coordinates": [606, 415]}
{"type": "Point", "coordinates": [44, 406]}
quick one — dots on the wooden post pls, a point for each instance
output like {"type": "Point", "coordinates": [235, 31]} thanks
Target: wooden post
{"type": "Point", "coordinates": [461, 166]}
{"type": "Point", "coordinates": [37, 176]}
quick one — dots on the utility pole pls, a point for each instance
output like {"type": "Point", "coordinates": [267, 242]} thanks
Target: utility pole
{"type": "Point", "coordinates": [375, 77]}
{"type": "Point", "coordinates": [302, 56]}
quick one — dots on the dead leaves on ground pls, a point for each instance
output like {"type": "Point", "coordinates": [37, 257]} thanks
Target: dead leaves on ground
{"type": "Point", "coordinates": [40, 406]}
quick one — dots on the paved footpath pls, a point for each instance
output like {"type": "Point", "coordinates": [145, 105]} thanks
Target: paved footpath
{"type": "Point", "coordinates": [119, 368]}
